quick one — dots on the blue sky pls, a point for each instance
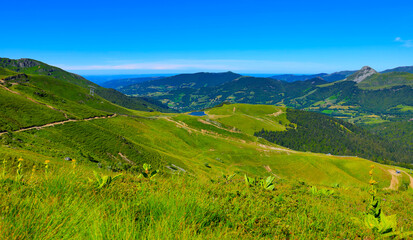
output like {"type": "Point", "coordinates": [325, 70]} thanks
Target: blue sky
{"type": "Point", "coordinates": [246, 36]}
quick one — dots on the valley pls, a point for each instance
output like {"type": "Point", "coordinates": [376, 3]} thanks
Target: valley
{"type": "Point", "coordinates": [59, 140]}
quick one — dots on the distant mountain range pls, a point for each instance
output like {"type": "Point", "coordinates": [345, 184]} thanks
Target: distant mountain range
{"type": "Point", "coordinates": [408, 69]}
{"type": "Point", "coordinates": [327, 77]}
{"type": "Point", "coordinates": [363, 96]}
{"type": "Point", "coordinates": [125, 82]}
{"type": "Point", "coordinates": [118, 82]}
{"type": "Point", "coordinates": [181, 81]}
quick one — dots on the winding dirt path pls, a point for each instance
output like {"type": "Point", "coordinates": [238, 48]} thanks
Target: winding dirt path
{"type": "Point", "coordinates": [394, 183]}
{"type": "Point", "coordinates": [208, 123]}
{"type": "Point", "coordinates": [59, 123]}
{"type": "Point", "coordinates": [276, 113]}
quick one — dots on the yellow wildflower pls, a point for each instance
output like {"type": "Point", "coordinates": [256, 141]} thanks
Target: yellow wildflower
{"type": "Point", "coordinates": [74, 163]}
{"type": "Point", "coordinates": [47, 162]}
{"type": "Point", "coordinates": [372, 182]}
{"type": "Point", "coordinates": [20, 159]}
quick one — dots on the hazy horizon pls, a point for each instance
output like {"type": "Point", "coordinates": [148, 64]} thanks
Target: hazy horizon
{"type": "Point", "coordinates": [165, 37]}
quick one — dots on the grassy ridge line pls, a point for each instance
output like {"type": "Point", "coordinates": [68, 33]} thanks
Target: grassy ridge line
{"type": "Point", "coordinates": [40, 69]}
{"type": "Point", "coordinates": [59, 123]}
{"type": "Point", "coordinates": [66, 96]}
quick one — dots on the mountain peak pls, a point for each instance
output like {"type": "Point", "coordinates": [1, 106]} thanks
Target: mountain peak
{"type": "Point", "coordinates": [362, 74]}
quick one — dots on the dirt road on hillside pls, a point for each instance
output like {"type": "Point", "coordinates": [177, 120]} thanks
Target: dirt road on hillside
{"type": "Point", "coordinates": [59, 123]}
{"type": "Point", "coordinates": [394, 183]}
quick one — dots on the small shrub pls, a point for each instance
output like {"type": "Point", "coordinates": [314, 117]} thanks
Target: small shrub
{"type": "Point", "coordinates": [147, 172]}
{"type": "Point", "coordinates": [104, 181]}
{"type": "Point", "coordinates": [267, 184]}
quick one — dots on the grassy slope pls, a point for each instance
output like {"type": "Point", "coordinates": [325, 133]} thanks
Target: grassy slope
{"type": "Point", "coordinates": [64, 204]}
{"type": "Point", "coordinates": [34, 67]}
{"type": "Point", "coordinates": [386, 80]}
{"type": "Point", "coordinates": [18, 112]}
{"type": "Point", "coordinates": [223, 140]}
{"type": "Point", "coordinates": [250, 118]}
{"type": "Point", "coordinates": [6, 72]}
{"type": "Point", "coordinates": [68, 96]}
{"type": "Point", "coordinates": [191, 144]}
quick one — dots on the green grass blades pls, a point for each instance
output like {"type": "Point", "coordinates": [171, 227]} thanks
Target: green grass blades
{"type": "Point", "coordinates": [266, 184]}
{"type": "Point", "coordinates": [321, 192]}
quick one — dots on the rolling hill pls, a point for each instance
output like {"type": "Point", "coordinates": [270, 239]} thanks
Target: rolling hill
{"type": "Point", "coordinates": [72, 167]}
{"type": "Point", "coordinates": [161, 139]}
{"type": "Point", "coordinates": [408, 69]}
{"type": "Point", "coordinates": [34, 67]}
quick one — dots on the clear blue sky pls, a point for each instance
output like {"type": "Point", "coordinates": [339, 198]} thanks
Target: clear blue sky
{"type": "Point", "coordinates": [247, 36]}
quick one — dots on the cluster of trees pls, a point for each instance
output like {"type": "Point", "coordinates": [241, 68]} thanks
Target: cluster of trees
{"type": "Point", "coordinates": [319, 133]}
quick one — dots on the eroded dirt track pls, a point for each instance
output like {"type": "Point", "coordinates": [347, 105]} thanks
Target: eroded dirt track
{"type": "Point", "coordinates": [59, 123]}
{"type": "Point", "coordinates": [394, 183]}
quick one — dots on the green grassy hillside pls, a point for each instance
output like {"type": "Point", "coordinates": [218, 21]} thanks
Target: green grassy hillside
{"type": "Point", "coordinates": [204, 146]}
{"type": "Point", "coordinates": [62, 200]}
{"type": "Point", "coordinates": [198, 203]}
{"type": "Point", "coordinates": [387, 80]}
{"type": "Point", "coordinates": [46, 196]}
{"type": "Point", "coordinates": [34, 67]}
{"type": "Point", "coordinates": [250, 118]}
{"type": "Point", "coordinates": [18, 112]}
{"type": "Point", "coordinates": [6, 73]}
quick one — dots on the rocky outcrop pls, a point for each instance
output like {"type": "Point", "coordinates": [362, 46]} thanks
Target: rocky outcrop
{"type": "Point", "coordinates": [20, 63]}
{"type": "Point", "coordinates": [362, 74]}
{"type": "Point", "coordinates": [17, 78]}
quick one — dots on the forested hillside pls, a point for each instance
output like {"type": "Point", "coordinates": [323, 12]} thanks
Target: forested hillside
{"type": "Point", "coordinates": [316, 132]}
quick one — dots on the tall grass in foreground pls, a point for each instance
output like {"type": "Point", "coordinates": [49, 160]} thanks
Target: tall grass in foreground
{"type": "Point", "coordinates": [66, 205]}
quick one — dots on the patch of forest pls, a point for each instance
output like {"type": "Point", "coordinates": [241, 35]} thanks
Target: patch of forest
{"type": "Point", "coordinates": [316, 132]}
